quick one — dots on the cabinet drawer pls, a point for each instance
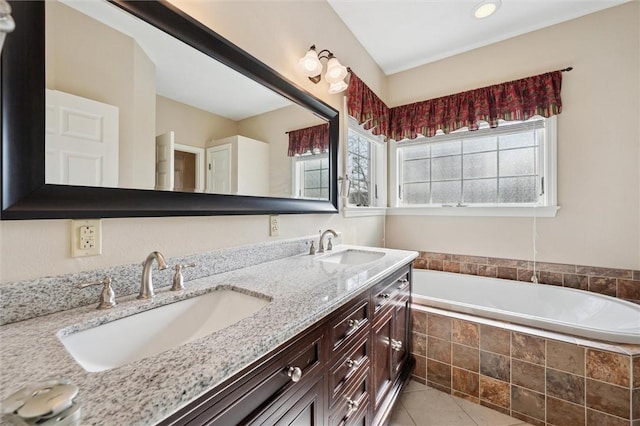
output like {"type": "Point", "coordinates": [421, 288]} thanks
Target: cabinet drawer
{"type": "Point", "coordinates": [348, 324]}
{"type": "Point", "coordinates": [348, 367]}
{"type": "Point", "coordinates": [352, 402]}
{"type": "Point", "coordinates": [264, 388]}
{"type": "Point", "coordinates": [392, 288]}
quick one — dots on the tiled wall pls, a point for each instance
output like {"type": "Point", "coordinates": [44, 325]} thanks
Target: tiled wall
{"type": "Point", "coordinates": [538, 380]}
{"type": "Point", "coordinates": [621, 283]}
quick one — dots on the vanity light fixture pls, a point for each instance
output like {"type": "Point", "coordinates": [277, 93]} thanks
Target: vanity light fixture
{"type": "Point", "coordinates": [6, 21]}
{"type": "Point", "coordinates": [311, 66]}
{"type": "Point", "coordinates": [486, 8]}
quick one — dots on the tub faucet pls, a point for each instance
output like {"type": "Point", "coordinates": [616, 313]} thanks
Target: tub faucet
{"type": "Point", "coordinates": [146, 285]}
{"type": "Point", "coordinates": [321, 242]}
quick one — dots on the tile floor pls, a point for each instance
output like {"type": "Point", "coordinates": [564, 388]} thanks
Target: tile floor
{"type": "Point", "coordinates": [420, 405]}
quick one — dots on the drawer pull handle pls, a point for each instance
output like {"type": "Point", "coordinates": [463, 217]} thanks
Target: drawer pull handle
{"type": "Point", "coordinates": [385, 296]}
{"type": "Point", "coordinates": [295, 373]}
{"type": "Point", "coordinates": [353, 405]}
{"type": "Point", "coordinates": [396, 345]}
{"type": "Point", "coordinates": [354, 323]}
{"type": "Point", "coordinates": [403, 283]}
{"type": "Point", "coordinates": [353, 364]}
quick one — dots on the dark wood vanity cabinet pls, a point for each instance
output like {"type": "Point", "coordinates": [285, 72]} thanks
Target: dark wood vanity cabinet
{"type": "Point", "coordinates": [347, 369]}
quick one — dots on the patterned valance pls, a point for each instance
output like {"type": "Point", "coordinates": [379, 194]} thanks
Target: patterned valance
{"type": "Point", "coordinates": [366, 107]}
{"type": "Point", "coordinates": [312, 140]}
{"type": "Point", "coordinates": [513, 100]}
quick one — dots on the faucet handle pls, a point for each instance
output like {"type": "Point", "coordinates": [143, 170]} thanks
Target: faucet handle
{"type": "Point", "coordinates": [178, 279]}
{"type": "Point", "coordinates": [107, 297]}
{"type": "Point", "coordinates": [312, 248]}
{"type": "Point", "coordinates": [329, 245]}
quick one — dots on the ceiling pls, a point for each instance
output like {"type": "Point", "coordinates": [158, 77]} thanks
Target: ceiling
{"type": "Point", "coordinates": [403, 34]}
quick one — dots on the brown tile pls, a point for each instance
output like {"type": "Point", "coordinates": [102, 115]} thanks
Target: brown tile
{"type": "Point", "coordinates": [494, 365]}
{"type": "Point", "coordinates": [487, 271]}
{"type": "Point", "coordinates": [609, 367]}
{"type": "Point", "coordinates": [510, 263]}
{"type": "Point", "coordinates": [525, 374]}
{"type": "Point", "coordinates": [636, 371]}
{"type": "Point", "coordinates": [419, 321]}
{"type": "Point", "coordinates": [419, 344]}
{"type": "Point", "coordinates": [435, 265]}
{"type": "Point", "coordinates": [628, 289]}
{"type": "Point", "coordinates": [604, 272]}
{"type": "Point", "coordinates": [529, 420]}
{"type": "Point", "coordinates": [507, 273]}
{"type": "Point", "coordinates": [449, 266]}
{"type": "Point", "coordinates": [495, 339]}
{"type": "Point", "coordinates": [438, 386]}
{"type": "Point", "coordinates": [610, 399]}
{"type": "Point", "coordinates": [563, 268]}
{"type": "Point", "coordinates": [469, 398]}
{"type": "Point", "coordinates": [465, 381]}
{"type": "Point", "coordinates": [526, 275]}
{"type": "Point", "coordinates": [435, 256]}
{"type": "Point", "coordinates": [469, 268]}
{"type": "Point", "coordinates": [561, 413]}
{"type": "Point", "coordinates": [527, 348]}
{"type": "Point", "coordinates": [479, 260]}
{"type": "Point", "coordinates": [465, 357]}
{"type": "Point", "coordinates": [439, 349]}
{"type": "Point", "coordinates": [439, 373]}
{"type": "Point", "coordinates": [420, 263]}
{"type": "Point", "coordinates": [465, 333]}
{"type": "Point", "coordinates": [596, 418]}
{"type": "Point", "coordinates": [636, 275]}
{"type": "Point", "coordinates": [420, 380]}
{"type": "Point", "coordinates": [528, 402]}
{"type": "Point", "coordinates": [580, 282]}
{"type": "Point", "coordinates": [568, 387]}
{"type": "Point", "coordinates": [421, 367]}
{"type": "Point", "coordinates": [439, 326]}
{"type": "Point", "coordinates": [602, 285]}
{"type": "Point", "coordinates": [635, 404]}
{"type": "Point", "coordinates": [550, 278]}
{"type": "Point", "coordinates": [495, 407]}
{"type": "Point", "coordinates": [495, 391]}
{"type": "Point", "coordinates": [565, 357]}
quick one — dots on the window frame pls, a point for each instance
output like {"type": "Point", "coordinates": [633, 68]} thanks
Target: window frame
{"type": "Point", "coordinates": [297, 177]}
{"type": "Point", "coordinates": [546, 207]}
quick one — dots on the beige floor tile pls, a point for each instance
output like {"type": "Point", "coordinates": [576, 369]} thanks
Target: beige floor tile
{"type": "Point", "coordinates": [428, 400]}
{"type": "Point", "coordinates": [400, 417]}
{"type": "Point", "coordinates": [413, 386]}
{"type": "Point", "coordinates": [484, 416]}
{"type": "Point", "coordinates": [437, 417]}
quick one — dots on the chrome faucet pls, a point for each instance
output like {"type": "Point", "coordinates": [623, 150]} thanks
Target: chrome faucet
{"type": "Point", "coordinates": [146, 285]}
{"type": "Point", "coordinates": [321, 242]}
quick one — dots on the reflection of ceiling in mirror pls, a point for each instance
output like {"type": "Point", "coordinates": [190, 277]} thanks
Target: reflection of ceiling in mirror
{"type": "Point", "coordinates": [204, 83]}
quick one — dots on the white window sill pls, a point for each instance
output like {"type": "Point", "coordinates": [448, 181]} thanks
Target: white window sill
{"type": "Point", "coordinates": [364, 211]}
{"type": "Point", "coordinates": [548, 211]}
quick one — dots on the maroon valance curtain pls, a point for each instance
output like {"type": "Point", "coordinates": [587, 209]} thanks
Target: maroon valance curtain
{"type": "Point", "coordinates": [513, 100]}
{"type": "Point", "coordinates": [366, 107]}
{"type": "Point", "coordinates": [313, 139]}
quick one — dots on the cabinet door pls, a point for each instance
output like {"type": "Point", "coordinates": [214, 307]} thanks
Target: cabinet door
{"type": "Point", "coordinates": [400, 334]}
{"type": "Point", "coordinates": [383, 374]}
{"type": "Point", "coordinates": [306, 410]}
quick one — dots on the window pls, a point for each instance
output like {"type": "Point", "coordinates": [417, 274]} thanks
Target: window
{"type": "Point", "coordinates": [311, 176]}
{"type": "Point", "coordinates": [510, 165]}
{"type": "Point", "coordinates": [365, 168]}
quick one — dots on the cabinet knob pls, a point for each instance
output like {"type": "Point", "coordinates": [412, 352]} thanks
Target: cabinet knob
{"type": "Point", "coordinates": [385, 296]}
{"type": "Point", "coordinates": [295, 373]}
{"type": "Point", "coordinates": [403, 283]}
{"type": "Point", "coordinates": [353, 405]}
{"type": "Point", "coordinates": [396, 345]}
{"type": "Point", "coordinates": [353, 364]}
{"type": "Point", "coordinates": [354, 323]}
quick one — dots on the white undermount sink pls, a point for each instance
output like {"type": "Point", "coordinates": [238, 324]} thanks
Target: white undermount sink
{"type": "Point", "coordinates": [352, 257]}
{"type": "Point", "coordinates": [154, 331]}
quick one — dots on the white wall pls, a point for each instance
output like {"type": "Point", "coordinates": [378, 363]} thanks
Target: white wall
{"type": "Point", "coordinates": [598, 143]}
{"type": "Point", "coordinates": [30, 249]}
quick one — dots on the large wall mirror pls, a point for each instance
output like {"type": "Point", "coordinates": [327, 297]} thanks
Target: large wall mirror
{"type": "Point", "coordinates": [115, 108]}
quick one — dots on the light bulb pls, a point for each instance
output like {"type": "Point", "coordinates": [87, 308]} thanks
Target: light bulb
{"type": "Point", "coordinates": [336, 72]}
{"type": "Point", "coordinates": [486, 8]}
{"type": "Point", "coordinates": [309, 64]}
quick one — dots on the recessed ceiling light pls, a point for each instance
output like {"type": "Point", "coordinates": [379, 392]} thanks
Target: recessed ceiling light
{"type": "Point", "coordinates": [486, 8]}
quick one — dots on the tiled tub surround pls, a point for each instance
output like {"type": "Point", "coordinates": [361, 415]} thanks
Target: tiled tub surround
{"type": "Point", "coordinates": [541, 377]}
{"type": "Point", "coordinates": [302, 291]}
{"type": "Point", "coordinates": [26, 299]}
{"type": "Point", "coordinates": [621, 283]}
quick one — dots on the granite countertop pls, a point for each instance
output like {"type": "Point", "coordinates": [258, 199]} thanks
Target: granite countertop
{"type": "Point", "coordinates": [302, 290]}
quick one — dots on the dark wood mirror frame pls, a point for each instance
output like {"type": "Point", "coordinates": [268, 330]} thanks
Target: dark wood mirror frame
{"type": "Point", "coordinates": [24, 192]}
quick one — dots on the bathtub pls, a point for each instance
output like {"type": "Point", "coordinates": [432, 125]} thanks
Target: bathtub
{"type": "Point", "coordinates": [575, 312]}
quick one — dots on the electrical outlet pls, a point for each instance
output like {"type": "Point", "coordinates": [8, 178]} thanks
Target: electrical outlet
{"type": "Point", "coordinates": [86, 237]}
{"type": "Point", "coordinates": [274, 226]}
